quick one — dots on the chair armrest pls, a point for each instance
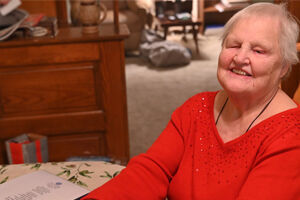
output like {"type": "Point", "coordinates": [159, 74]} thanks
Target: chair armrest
{"type": "Point", "coordinates": [143, 8]}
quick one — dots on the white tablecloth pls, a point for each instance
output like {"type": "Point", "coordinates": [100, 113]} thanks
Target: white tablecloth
{"type": "Point", "coordinates": [88, 174]}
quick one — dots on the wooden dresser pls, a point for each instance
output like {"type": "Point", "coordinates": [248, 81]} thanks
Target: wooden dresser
{"type": "Point", "coordinates": [70, 88]}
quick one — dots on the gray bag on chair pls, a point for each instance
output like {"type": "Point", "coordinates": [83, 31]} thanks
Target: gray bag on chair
{"type": "Point", "coordinates": [162, 53]}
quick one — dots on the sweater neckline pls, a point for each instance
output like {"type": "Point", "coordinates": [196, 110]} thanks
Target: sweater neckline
{"type": "Point", "coordinates": [251, 130]}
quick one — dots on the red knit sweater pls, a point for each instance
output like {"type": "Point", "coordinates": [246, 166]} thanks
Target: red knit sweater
{"type": "Point", "coordinates": [189, 160]}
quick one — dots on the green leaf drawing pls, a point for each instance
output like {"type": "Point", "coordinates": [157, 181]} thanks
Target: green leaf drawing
{"type": "Point", "coordinates": [81, 183]}
{"type": "Point", "coordinates": [116, 173]}
{"type": "Point", "coordinates": [36, 166]}
{"type": "Point", "coordinates": [4, 180]}
{"type": "Point", "coordinates": [85, 173]}
{"type": "Point", "coordinates": [71, 166]}
{"type": "Point", "coordinates": [60, 173]}
{"type": "Point", "coordinates": [2, 170]}
{"type": "Point", "coordinates": [65, 171]}
{"type": "Point", "coordinates": [107, 175]}
{"type": "Point", "coordinates": [73, 179]}
{"type": "Point", "coordinates": [54, 163]}
{"type": "Point", "coordinates": [107, 163]}
{"type": "Point", "coordinates": [77, 173]}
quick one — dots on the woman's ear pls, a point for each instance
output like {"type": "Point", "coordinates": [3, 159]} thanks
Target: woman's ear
{"type": "Point", "coordinates": [284, 70]}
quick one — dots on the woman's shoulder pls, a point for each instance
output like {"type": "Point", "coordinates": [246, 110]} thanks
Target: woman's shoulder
{"type": "Point", "coordinates": [282, 128]}
{"type": "Point", "coordinates": [286, 140]}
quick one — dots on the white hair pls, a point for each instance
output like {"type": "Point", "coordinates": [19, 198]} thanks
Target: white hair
{"type": "Point", "coordinates": [289, 29]}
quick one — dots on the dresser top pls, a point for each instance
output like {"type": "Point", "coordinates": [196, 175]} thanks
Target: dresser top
{"type": "Point", "coordinates": [106, 32]}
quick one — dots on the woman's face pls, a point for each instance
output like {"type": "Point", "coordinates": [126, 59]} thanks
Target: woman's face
{"type": "Point", "coordinates": [250, 60]}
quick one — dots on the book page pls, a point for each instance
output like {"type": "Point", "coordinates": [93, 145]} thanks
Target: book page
{"type": "Point", "coordinates": [40, 185]}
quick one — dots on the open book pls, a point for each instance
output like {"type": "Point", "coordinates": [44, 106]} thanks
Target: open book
{"type": "Point", "coordinates": [40, 185]}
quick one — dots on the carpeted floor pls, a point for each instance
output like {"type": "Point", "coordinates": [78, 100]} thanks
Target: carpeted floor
{"type": "Point", "coordinates": [154, 93]}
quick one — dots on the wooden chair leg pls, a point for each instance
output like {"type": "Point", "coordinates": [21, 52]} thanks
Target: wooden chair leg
{"type": "Point", "coordinates": [166, 29]}
{"type": "Point", "coordinates": [195, 35]}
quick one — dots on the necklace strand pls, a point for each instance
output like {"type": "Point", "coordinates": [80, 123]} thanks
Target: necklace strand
{"type": "Point", "coordinates": [265, 107]}
{"type": "Point", "coordinates": [221, 110]}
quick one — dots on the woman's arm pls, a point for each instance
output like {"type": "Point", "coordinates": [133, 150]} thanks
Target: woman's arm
{"type": "Point", "coordinates": [147, 176]}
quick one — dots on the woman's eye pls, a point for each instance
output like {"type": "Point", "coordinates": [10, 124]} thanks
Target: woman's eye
{"type": "Point", "coordinates": [233, 46]}
{"type": "Point", "coordinates": [258, 51]}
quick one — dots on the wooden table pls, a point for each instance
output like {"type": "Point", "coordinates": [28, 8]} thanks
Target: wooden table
{"type": "Point", "coordinates": [70, 88]}
{"type": "Point", "coordinates": [166, 23]}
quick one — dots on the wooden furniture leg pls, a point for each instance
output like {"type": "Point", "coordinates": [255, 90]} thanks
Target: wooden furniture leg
{"type": "Point", "coordinates": [184, 33]}
{"type": "Point", "coordinates": [166, 29]}
{"type": "Point", "coordinates": [116, 16]}
{"type": "Point", "coordinates": [195, 35]}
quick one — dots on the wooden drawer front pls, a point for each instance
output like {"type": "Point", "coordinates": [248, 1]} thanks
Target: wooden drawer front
{"type": "Point", "coordinates": [62, 147]}
{"type": "Point", "coordinates": [53, 124]}
{"type": "Point", "coordinates": [48, 89]}
{"type": "Point", "coordinates": [48, 54]}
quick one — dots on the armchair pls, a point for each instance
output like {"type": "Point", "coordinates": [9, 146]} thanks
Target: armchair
{"type": "Point", "coordinates": [136, 14]}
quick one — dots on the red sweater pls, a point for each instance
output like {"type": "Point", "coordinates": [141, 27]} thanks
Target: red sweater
{"type": "Point", "coordinates": [189, 160]}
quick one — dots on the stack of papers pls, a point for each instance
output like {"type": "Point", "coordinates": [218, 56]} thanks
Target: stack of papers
{"type": "Point", "coordinates": [20, 16]}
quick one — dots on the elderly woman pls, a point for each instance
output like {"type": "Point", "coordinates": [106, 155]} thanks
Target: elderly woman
{"type": "Point", "coordinates": [242, 142]}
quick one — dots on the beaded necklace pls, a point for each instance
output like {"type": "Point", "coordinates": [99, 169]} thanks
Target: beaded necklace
{"type": "Point", "coordinates": [265, 107]}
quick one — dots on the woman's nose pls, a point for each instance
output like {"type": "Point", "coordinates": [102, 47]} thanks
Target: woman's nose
{"type": "Point", "coordinates": [241, 56]}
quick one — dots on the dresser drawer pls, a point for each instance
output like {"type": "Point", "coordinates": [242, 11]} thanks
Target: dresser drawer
{"type": "Point", "coordinates": [49, 54]}
{"type": "Point", "coordinates": [63, 147]}
{"type": "Point", "coordinates": [50, 99]}
{"type": "Point", "coordinates": [45, 89]}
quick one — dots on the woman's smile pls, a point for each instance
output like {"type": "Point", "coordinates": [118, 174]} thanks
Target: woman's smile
{"type": "Point", "coordinates": [239, 72]}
